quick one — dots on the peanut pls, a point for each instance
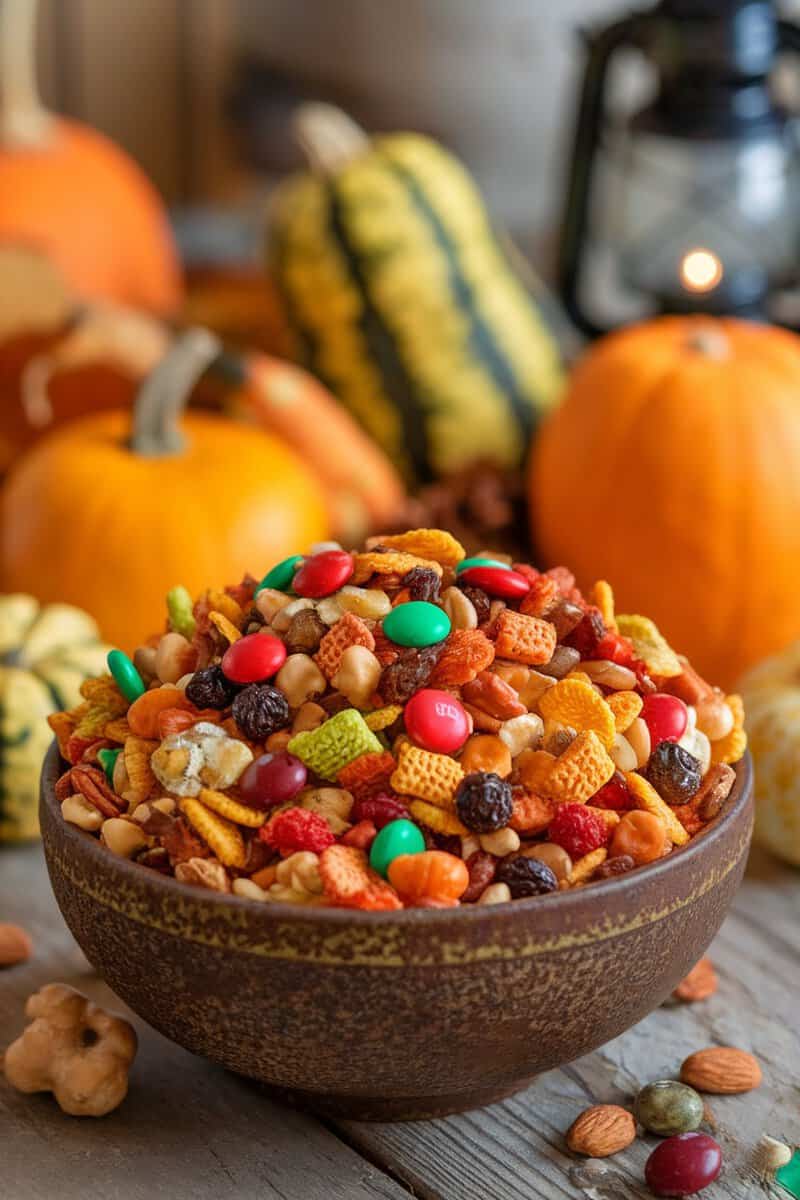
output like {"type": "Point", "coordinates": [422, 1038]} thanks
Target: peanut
{"type": "Point", "coordinates": [714, 717]}
{"type": "Point", "coordinates": [299, 679]}
{"type": "Point", "coordinates": [552, 855]}
{"type": "Point", "coordinates": [459, 609]}
{"type": "Point", "coordinates": [283, 617]}
{"type": "Point", "coordinates": [522, 733]}
{"type": "Point", "coordinates": [269, 602]}
{"type": "Point", "coordinates": [358, 675]}
{"type": "Point", "coordinates": [174, 657]}
{"type": "Point", "coordinates": [495, 893]}
{"type": "Point", "coordinates": [308, 716]}
{"type": "Point", "coordinates": [144, 659]}
{"type": "Point", "coordinates": [122, 837]}
{"type": "Point", "coordinates": [500, 843]}
{"type": "Point", "coordinates": [368, 603]}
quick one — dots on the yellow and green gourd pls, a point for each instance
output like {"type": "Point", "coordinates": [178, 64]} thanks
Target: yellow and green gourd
{"type": "Point", "coordinates": [403, 300]}
{"type": "Point", "coordinates": [45, 655]}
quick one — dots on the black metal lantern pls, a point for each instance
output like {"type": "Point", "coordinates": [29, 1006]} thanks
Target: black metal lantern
{"type": "Point", "coordinates": [691, 203]}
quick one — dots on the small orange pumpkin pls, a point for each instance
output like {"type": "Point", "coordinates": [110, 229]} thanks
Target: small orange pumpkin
{"type": "Point", "coordinates": [71, 192]}
{"type": "Point", "coordinates": [109, 518]}
{"type": "Point", "coordinates": [672, 469]}
{"type": "Point", "coordinates": [99, 359]}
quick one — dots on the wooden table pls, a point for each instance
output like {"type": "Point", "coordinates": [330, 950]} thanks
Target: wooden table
{"type": "Point", "coordinates": [191, 1131]}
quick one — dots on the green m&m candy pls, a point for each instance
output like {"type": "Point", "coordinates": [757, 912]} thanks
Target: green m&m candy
{"type": "Point", "coordinates": [108, 760]}
{"type": "Point", "coordinates": [396, 838]}
{"type": "Point", "coordinates": [466, 563]}
{"type": "Point", "coordinates": [281, 575]}
{"type": "Point", "coordinates": [416, 623]}
{"type": "Point", "coordinates": [125, 675]}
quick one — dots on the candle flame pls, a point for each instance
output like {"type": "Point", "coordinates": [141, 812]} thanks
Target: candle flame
{"type": "Point", "coordinates": [701, 270]}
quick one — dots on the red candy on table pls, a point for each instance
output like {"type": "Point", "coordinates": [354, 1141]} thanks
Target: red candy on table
{"type": "Point", "coordinates": [683, 1165]}
{"type": "Point", "coordinates": [665, 716]}
{"type": "Point", "coordinates": [254, 658]}
{"type": "Point", "coordinates": [272, 779]}
{"type": "Point", "coordinates": [436, 721]}
{"type": "Point", "coordinates": [323, 574]}
{"type": "Point", "coordinates": [508, 585]}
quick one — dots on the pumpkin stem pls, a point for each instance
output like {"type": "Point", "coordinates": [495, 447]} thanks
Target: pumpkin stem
{"type": "Point", "coordinates": [709, 340]}
{"type": "Point", "coordinates": [24, 121]}
{"type": "Point", "coordinates": [165, 392]}
{"type": "Point", "coordinates": [328, 137]}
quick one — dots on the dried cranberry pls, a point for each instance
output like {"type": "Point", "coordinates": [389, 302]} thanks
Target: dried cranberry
{"type": "Point", "coordinates": [587, 634]}
{"type": "Point", "coordinates": [481, 867]}
{"type": "Point", "coordinates": [484, 802]}
{"type": "Point", "coordinates": [618, 865]}
{"type": "Point", "coordinates": [577, 830]}
{"type": "Point", "coordinates": [400, 680]}
{"type": "Point", "coordinates": [614, 794]}
{"type": "Point", "coordinates": [260, 710]}
{"type": "Point", "coordinates": [422, 584]}
{"type": "Point", "coordinates": [210, 688]}
{"type": "Point", "coordinates": [297, 829]}
{"type": "Point", "coordinates": [674, 773]}
{"type": "Point", "coordinates": [526, 877]}
{"type": "Point", "coordinates": [380, 809]}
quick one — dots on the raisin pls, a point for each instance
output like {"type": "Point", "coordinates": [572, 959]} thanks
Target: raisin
{"type": "Point", "coordinates": [333, 703]}
{"type": "Point", "coordinates": [674, 773]}
{"type": "Point", "coordinates": [306, 631]}
{"type": "Point", "coordinates": [260, 710]}
{"type": "Point", "coordinates": [209, 688]}
{"type": "Point", "coordinates": [617, 865]}
{"type": "Point", "coordinates": [480, 602]}
{"type": "Point", "coordinates": [400, 680]}
{"type": "Point", "coordinates": [586, 635]}
{"type": "Point", "coordinates": [422, 584]}
{"type": "Point", "coordinates": [156, 858]}
{"type": "Point", "coordinates": [526, 877]}
{"type": "Point", "coordinates": [484, 802]}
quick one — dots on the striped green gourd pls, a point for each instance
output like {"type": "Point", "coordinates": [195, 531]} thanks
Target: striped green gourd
{"type": "Point", "coordinates": [45, 655]}
{"type": "Point", "coordinates": [403, 300]}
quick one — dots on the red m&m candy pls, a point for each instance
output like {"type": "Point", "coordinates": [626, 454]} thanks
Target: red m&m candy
{"type": "Point", "coordinates": [665, 716]}
{"type": "Point", "coordinates": [436, 721]}
{"type": "Point", "coordinates": [253, 658]}
{"type": "Point", "coordinates": [323, 574]}
{"type": "Point", "coordinates": [496, 581]}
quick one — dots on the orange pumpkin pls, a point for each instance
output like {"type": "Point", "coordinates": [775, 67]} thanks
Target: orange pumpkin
{"type": "Point", "coordinates": [99, 361]}
{"type": "Point", "coordinates": [71, 192]}
{"type": "Point", "coordinates": [672, 469]}
{"type": "Point", "coordinates": [110, 517]}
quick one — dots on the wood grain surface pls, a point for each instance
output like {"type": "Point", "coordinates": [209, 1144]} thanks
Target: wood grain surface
{"type": "Point", "coordinates": [191, 1131]}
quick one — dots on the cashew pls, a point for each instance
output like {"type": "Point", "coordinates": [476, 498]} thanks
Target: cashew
{"type": "Point", "coordinates": [495, 893]}
{"type": "Point", "coordinates": [501, 842]}
{"type": "Point", "coordinates": [329, 610]}
{"type": "Point", "coordinates": [623, 754]}
{"type": "Point", "coordinates": [248, 889]}
{"type": "Point", "coordinates": [308, 716]}
{"type": "Point", "coordinates": [174, 658]}
{"type": "Point", "coordinates": [78, 811]}
{"type": "Point", "coordinates": [358, 675]}
{"type": "Point", "coordinates": [122, 837]}
{"type": "Point", "coordinates": [73, 1049]}
{"type": "Point", "coordinates": [459, 608]}
{"type": "Point", "coordinates": [522, 733]}
{"type": "Point", "coordinates": [300, 871]}
{"type": "Point", "coordinates": [299, 679]}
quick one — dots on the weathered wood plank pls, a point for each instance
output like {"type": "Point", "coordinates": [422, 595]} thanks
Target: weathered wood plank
{"type": "Point", "coordinates": [516, 1148]}
{"type": "Point", "coordinates": [187, 1130]}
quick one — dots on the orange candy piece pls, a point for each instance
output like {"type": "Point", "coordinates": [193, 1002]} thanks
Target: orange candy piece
{"type": "Point", "coordinates": [175, 720]}
{"type": "Point", "coordinates": [431, 875]}
{"type": "Point", "coordinates": [486, 752]}
{"type": "Point", "coordinates": [641, 835]}
{"type": "Point", "coordinates": [145, 711]}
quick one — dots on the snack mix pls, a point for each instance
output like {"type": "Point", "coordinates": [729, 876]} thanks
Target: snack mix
{"type": "Point", "coordinates": [400, 727]}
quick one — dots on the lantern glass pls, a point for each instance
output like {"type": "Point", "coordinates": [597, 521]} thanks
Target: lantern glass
{"type": "Point", "coordinates": [675, 218]}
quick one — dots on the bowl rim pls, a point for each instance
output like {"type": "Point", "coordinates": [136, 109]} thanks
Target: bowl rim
{"type": "Point", "coordinates": [572, 900]}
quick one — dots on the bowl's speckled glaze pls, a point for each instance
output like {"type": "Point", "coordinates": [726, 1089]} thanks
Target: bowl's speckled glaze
{"type": "Point", "coordinates": [395, 1015]}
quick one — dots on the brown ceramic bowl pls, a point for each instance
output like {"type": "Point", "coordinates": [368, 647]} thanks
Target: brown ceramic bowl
{"type": "Point", "coordinates": [395, 1015]}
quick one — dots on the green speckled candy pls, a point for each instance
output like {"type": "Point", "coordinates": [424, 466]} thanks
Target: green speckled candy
{"type": "Point", "coordinates": [125, 675]}
{"type": "Point", "coordinates": [108, 760]}
{"type": "Point", "coordinates": [466, 563]}
{"type": "Point", "coordinates": [281, 575]}
{"type": "Point", "coordinates": [396, 838]}
{"type": "Point", "coordinates": [417, 623]}
{"type": "Point", "coordinates": [667, 1107]}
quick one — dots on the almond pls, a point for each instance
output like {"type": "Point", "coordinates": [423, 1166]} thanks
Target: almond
{"type": "Point", "coordinates": [601, 1130]}
{"type": "Point", "coordinates": [699, 984]}
{"type": "Point", "coordinates": [15, 945]}
{"type": "Point", "coordinates": [721, 1070]}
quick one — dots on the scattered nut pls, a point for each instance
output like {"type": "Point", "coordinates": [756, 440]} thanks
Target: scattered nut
{"type": "Point", "coordinates": [299, 679]}
{"type": "Point", "coordinates": [74, 1049]}
{"type": "Point", "coordinates": [699, 984]}
{"type": "Point", "coordinates": [122, 837]}
{"type": "Point", "coordinates": [721, 1070]}
{"type": "Point", "coordinates": [78, 811]}
{"type": "Point", "coordinates": [602, 1130]}
{"type": "Point", "coordinates": [15, 945]}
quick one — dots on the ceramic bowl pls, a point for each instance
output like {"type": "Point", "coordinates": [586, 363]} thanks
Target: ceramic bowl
{"type": "Point", "coordinates": [395, 1015]}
